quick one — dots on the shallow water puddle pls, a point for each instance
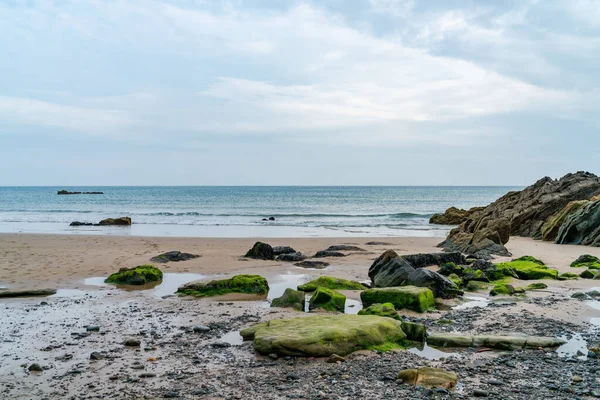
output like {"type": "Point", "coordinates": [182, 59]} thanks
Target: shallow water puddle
{"type": "Point", "coordinates": [576, 346]}
{"type": "Point", "coordinates": [233, 338]}
{"type": "Point", "coordinates": [431, 353]}
{"type": "Point", "coordinates": [279, 283]}
{"type": "Point", "coordinates": [472, 302]}
{"type": "Point", "coordinates": [353, 306]}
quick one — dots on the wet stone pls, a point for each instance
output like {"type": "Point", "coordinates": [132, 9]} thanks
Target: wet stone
{"type": "Point", "coordinates": [96, 356]}
{"type": "Point", "coordinates": [35, 368]}
{"type": "Point", "coordinates": [201, 329]}
{"type": "Point", "coordinates": [132, 342]}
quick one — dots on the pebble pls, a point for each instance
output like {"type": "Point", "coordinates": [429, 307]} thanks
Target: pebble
{"type": "Point", "coordinates": [132, 342]}
{"type": "Point", "coordinates": [92, 328]}
{"type": "Point", "coordinates": [480, 393]}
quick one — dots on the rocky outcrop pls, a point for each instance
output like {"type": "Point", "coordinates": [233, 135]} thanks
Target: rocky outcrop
{"type": "Point", "coordinates": [552, 226]}
{"type": "Point", "coordinates": [278, 250]}
{"type": "Point", "coordinates": [121, 221]}
{"type": "Point", "coordinates": [329, 282]}
{"type": "Point", "coordinates": [382, 310]}
{"type": "Point", "coordinates": [343, 247]}
{"type": "Point", "coordinates": [453, 216]}
{"type": "Point", "coordinates": [582, 227]}
{"type": "Point", "coordinates": [431, 259]}
{"type": "Point", "coordinates": [261, 251]}
{"type": "Point", "coordinates": [173, 256]}
{"type": "Point", "coordinates": [328, 253]}
{"type": "Point", "coordinates": [390, 270]}
{"type": "Point", "coordinates": [324, 335]}
{"type": "Point", "coordinates": [291, 257]}
{"type": "Point", "coordinates": [519, 213]}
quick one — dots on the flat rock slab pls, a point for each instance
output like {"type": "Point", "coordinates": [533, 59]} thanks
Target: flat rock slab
{"type": "Point", "coordinates": [324, 335]}
{"type": "Point", "coordinates": [493, 341]}
{"type": "Point", "coordinates": [26, 293]}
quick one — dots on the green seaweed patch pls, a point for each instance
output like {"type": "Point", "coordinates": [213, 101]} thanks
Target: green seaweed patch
{"type": "Point", "coordinates": [248, 284]}
{"type": "Point", "coordinates": [330, 282]}
{"type": "Point", "coordinates": [537, 286]}
{"type": "Point", "coordinates": [586, 261]}
{"type": "Point", "coordinates": [502, 289]}
{"type": "Point", "coordinates": [527, 268]}
{"type": "Point", "coordinates": [139, 275]}
{"type": "Point", "coordinates": [389, 346]}
{"type": "Point", "coordinates": [328, 300]}
{"type": "Point", "coordinates": [410, 297]}
{"type": "Point", "coordinates": [474, 286]}
{"type": "Point", "coordinates": [456, 279]}
{"type": "Point", "coordinates": [382, 310]}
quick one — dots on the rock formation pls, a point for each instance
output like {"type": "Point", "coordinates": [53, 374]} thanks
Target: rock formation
{"type": "Point", "coordinates": [523, 213]}
{"type": "Point", "coordinates": [453, 216]}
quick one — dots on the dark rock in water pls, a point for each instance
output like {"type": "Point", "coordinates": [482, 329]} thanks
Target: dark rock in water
{"type": "Point", "coordinates": [312, 264]}
{"type": "Point", "coordinates": [35, 368]}
{"type": "Point", "coordinates": [453, 216]}
{"type": "Point", "coordinates": [343, 247]}
{"type": "Point", "coordinates": [378, 244]}
{"type": "Point", "coordinates": [77, 223]}
{"type": "Point", "coordinates": [327, 253]}
{"type": "Point", "coordinates": [278, 250]}
{"type": "Point", "coordinates": [582, 227]}
{"type": "Point", "coordinates": [390, 271]}
{"type": "Point", "coordinates": [271, 218]}
{"type": "Point", "coordinates": [261, 251]}
{"type": "Point", "coordinates": [27, 293]}
{"type": "Point", "coordinates": [63, 192]}
{"type": "Point", "coordinates": [292, 257]}
{"type": "Point", "coordinates": [173, 256]}
{"type": "Point", "coordinates": [139, 275]}
{"type": "Point", "coordinates": [523, 213]}
{"type": "Point", "coordinates": [427, 260]}
{"type": "Point", "coordinates": [121, 221]}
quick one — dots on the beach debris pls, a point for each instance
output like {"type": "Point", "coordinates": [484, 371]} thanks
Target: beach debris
{"type": "Point", "coordinates": [331, 282]}
{"type": "Point", "coordinates": [429, 377]}
{"type": "Point", "coordinates": [139, 275]}
{"type": "Point", "coordinates": [261, 251]}
{"type": "Point", "coordinates": [324, 335]}
{"type": "Point", "coordinates": [248, 284]}
{"type": "Point", "coordinates": [327, 299]}
{"type": "Point", "coordinates": [27, 292]}
{"type": "Point", "coordinates": [410, 297]}
{"type": "Point", "coordinates": [291, 298]}
{"type": "Point", "coordinates": [173, 256]}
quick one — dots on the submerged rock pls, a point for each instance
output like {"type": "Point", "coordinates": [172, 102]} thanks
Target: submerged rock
{"type": "Point", "coordinates": [261, 251]}
{"type": "Point", "coordinates": [121, 221]}
{"type": "Point", "coordinates": [429, 377]}
{"type": "Point", "coordinates": [291, 298]}
{"type": "Point", "coordinates": [139, 275]}
{"type": "Point", "coordinates": [324, 335]}
{"type": "Point", "coordinates": [312, 264]}
{"type": "Point", "coordinates": [328, 300]}
{"type": "Point", "coordinates": [330, 282]}
{"type": "Point", "coordinates": [173, 256]}
{"type": "Point", "coordinates": [247, 284]}
{"type": "Point", "coordinates": [493, 341]}
{"type": "Point", "coordinates": [381, 310]}
{"type": "Point", "coordinates": [410, 297]}
{"type": "Point", "coordinates": [26, 293]}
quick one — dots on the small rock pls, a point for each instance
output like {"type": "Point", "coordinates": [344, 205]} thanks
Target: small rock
{"type": "Point", "coordinates": [92, 328]}
{"type": "Point", "coordinates": [335, 358]}
{"type": "Point", "coordinates": [577, 379]}
{"type": "Point", "coordinates": [96, 356]}
{"type": "Point", "coordinates": [35, 368]}
{"type": "Point", "coordinates": [148, 375]}
{"type": "Point", "coordinates": [201, 329]}
{"type": "Point", "coordinates": [480, 393]}
{"type": "Point", "coordinates": [132, 342]}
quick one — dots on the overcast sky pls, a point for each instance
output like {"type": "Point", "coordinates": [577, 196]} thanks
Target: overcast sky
{"type": "Point", "coordinates": [274, 92]}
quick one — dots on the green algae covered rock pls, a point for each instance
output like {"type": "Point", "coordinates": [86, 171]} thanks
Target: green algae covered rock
{"type": "Point", "coordinates": [456, 279]}
{"type": "Point", "coordinates": [586, 261]}
{"type": "Point", "coordinates": [552, 226]}
{"type": "Point", "coordinates": [382, 310]}
{"type": "Point", "coordinates": [537, 286]}
{"type": "Point", "coordinates": [139, 275]}
{"type": "Point", "coordinates": [474, 286]}
{"type": "Point", "coordinates": [429, 377]}
{"type": "Point", "coordinates": [248, 284]}
{"type": "Point", "coordinates": [528, 268]}
{"type": "Point", "coordinates": [291, 299]}
{"type": "Point", "coordinates": [588, 274]}
{"type": "Point", "coordinates": [327, 299]}
{"type": "Point", "coordinates": [414, 332]}
{"type": "Point", "coordinates": [411, 297]}
{"type": "Point", "coordinates": [329, 282]}
{"type": "Point", "coordinates": [568, 276]}
{"type": "Point", "coordinates": [324, 335]}
{"type": "Point", "coordinates": [502, 288]}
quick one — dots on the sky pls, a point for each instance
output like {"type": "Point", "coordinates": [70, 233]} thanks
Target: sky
{"type": "Point", "coordinates": [278, 92]}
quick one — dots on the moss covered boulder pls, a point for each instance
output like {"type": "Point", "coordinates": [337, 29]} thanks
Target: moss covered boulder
{"type": "Point", "coordinates": [330, 282]}
{"type": "Point", "coordinates": [537, 286]}
{"type": "Point", "coordinates": [415, 332]}
{"type": "Point", "coordinates": [327, 299]}
{"type": "Point", "coordinates": [248, 284]}
{"type": "Point", "coordinates": [324, 335]}
{"type": "Point", "coordinates": [429, 377]}
{"type": "Point", "coordinates": [410, 297]}
{"type": "Point", "coordinates": [139, 275]}
{"type": "Point", "coordinates": [552, 226]}
{"type": "Point", "coordinates": [528, 268]}
{"type": "Point", "coordinates": [502, 289]}
{"type": "Point", "coordinates": [290, 299]}
{"type": "Point", "coordinates": [382, 310]}
{"type": "Point", "coordinates": [586, 261]}
{"type": "Point", "coordinates": [261, 251]}
{"type": "Point", "coordinates": [474, 286]}
{"type": "Point", "coordinates": [567, 276]}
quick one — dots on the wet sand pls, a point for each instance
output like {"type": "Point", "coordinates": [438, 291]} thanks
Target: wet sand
{"type": "Point", "coordinates": [181, 363]}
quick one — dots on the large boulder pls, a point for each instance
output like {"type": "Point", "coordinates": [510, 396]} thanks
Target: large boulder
{"type": "Point", "coordinates": [327, 299]}
{"type": "Point", "coordinates": [324, 335]}
{"type": "Point", "coordinates": [552, 226]}
{"type": "Point", "coordinates": [245, 284]}
{"type": "Point", "coordinates": [139, 275]}
{"type": "Point", "coordinates": [121, 221]}
{"type": "Point", "coordinates": [519, 213]}
{"type": "Point", "coordinates": [329, 282]}
{"type": "Point", "coordinates": [410, 297]}
{"type": "Point", "coordinates": [173, 256]}
{"type": "Point", "coordinates": [582, 227]}
{"type": "Point", "coordinates": [390, 271]}
{"type": "Point", "coordinates": [261, 251]}
{"type": "Point", "coordinates": [291, 298]}
{"type": "Point", "coordinates": [431, 259]}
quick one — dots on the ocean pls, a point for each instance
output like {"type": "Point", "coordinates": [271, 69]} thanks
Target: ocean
{"type": "Point", "coordinates": [239, 211]}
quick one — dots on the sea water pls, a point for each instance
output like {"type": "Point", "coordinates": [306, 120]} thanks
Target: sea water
{"type": "Point", "coordinates": [239, 211]}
